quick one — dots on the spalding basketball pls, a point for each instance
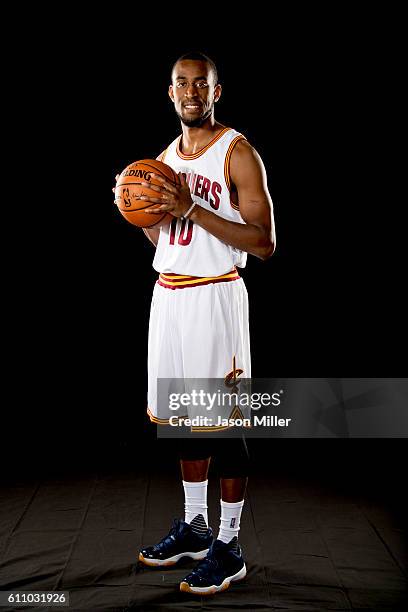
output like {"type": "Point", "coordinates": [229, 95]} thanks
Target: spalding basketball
{"type": "Point", "coordinates": [129, 189]}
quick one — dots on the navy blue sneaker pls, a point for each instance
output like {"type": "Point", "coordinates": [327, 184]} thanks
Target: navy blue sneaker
{"type": "Point", "coordinates": [223, 564]}
{"type": "Point", "coordinates": [180, 542]}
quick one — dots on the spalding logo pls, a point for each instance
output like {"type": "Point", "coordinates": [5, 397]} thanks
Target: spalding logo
{"type": "Point", "coordinates": [144, 174]}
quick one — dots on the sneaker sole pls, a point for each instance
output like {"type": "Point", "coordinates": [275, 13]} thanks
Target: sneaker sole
{"type": "Point", "coordinates": [211, 590]}
{"type": "Point", "coordinates": [197, 556]}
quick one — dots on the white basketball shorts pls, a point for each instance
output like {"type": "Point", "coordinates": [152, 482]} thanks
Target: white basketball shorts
{"type": "Point", "coordinates": [198, 329]}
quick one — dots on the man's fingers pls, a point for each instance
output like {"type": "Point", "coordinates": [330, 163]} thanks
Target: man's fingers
{"type": "Point", "coordinates": [116, 179]}
{"type": "Point", "coordinates": [155, 200]}
{"type": "Point", "coordinates": [154, 187]}
{"type": "Point", "coordinates": [158, 210]}
{"type": "Point", "coordinates": [165, 184]}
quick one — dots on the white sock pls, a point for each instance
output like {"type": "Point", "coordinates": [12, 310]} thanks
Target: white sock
{"type": "Point", "coordinates": [230, 519]}
{"type": "Point", "coordinates": [195, 495]}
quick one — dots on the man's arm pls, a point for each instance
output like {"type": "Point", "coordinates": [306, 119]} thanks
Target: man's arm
{"type": "Point", "coordinates": [257, 235]}
{"type": "Point", "coordinates": [248, 175]}
{"type": "Point", "coordinates": [152, 234]}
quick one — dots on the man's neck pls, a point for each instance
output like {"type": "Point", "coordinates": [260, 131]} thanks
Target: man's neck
{"type": "Point", "coordinates": [196, 138]}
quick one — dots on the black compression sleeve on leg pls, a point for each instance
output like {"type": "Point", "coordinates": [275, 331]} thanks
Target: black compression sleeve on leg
{"type": "Point", "coordinates": [230, 455]}
{"type": "Point", "coordinates": [231, 458]}
{"type": "Point", "coordinates": [193, 450]}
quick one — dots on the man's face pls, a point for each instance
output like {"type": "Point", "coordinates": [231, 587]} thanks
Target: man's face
{"type": "Point", "coordinates": [193, 91]}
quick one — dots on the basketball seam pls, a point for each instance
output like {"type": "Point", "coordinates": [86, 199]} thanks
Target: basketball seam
{"type": "Point", "coordinates": [140, 209]}
{"type": "Point", "coordinates": [151, 224]}
{"type": "Point", "coordinates": [121, 184]}
{"type": "Point", "coordinates": [125, 184]}
{"type": "Point", "coordinates": [164, 214]}
{"type": "Point", "coordinates": [158, 171]}
{"type": "Point", "coordinates": [154, 168]}
{"type": "Point", "coordinates": [137, 209]}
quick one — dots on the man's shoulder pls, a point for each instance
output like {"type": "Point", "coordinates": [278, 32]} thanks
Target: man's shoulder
{"type": "Point", "coordinates": [245, 160]}
{"type": "Point", "coordinates": [243, 149]}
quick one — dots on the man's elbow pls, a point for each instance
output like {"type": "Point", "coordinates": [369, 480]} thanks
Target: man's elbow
{"type": "Point", "coordinates": [267, 250]}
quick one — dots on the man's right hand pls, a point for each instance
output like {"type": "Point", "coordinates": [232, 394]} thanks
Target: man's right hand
{"type": "Point", "coordinates": [116, 180]}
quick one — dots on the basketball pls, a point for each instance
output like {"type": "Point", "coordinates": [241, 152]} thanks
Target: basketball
{"type": "Point", "coordinates": [129, 188]}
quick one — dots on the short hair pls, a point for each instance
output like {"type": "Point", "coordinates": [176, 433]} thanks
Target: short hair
{"type": "Point", "coordinates": [198, 57]}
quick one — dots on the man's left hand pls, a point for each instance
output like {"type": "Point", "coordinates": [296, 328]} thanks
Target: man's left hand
{"type": "Point", "coordinates": [174, 199]}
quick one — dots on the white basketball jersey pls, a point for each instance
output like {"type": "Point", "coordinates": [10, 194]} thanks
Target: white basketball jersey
{"type": "Point", "coordinates": [184, 247]}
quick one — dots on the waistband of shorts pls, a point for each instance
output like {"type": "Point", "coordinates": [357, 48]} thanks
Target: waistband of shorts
{"type": "Point", "coordinates": [179, 281]}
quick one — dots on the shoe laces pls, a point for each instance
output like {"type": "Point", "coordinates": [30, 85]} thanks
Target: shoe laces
{"type": "Point", "coordinates": [169, 539]}
{"type": "Point", "coordinates": [207, 564]}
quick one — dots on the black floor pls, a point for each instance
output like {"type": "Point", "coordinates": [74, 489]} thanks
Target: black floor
{"type": "Point", "coordinates": [315, 537]}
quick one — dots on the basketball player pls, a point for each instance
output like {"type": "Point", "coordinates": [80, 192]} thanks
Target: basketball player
{"type": "Point", "coordinates": [222, 211]}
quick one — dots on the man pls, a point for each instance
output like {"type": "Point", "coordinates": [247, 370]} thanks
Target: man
{"type": "Point", "coordinates": [199, 316]}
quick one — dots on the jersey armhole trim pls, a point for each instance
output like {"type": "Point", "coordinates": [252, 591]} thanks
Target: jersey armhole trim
{"type": "Point", "coordinates": [227, 163]}
{"type": "Point", "coordinates": [162, 156]}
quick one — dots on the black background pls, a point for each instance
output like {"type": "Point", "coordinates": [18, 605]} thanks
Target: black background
{"type": "Point", "coordinates": [318, 94]}
{"type": "Point", "coordinates": [312, 93]}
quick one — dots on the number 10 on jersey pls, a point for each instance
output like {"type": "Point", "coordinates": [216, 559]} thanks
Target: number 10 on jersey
{"type": "Point", "coordinates": [186, 232]}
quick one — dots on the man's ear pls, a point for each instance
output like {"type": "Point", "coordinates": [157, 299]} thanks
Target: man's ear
{"type": "Point", "coordinates": [171, 94]}
{"type": "Point", "coordinates": [217, 92]}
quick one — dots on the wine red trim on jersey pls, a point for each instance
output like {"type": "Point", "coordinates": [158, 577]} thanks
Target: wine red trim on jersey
{"type": "Point", "coordinates": [176, 281]}
{"type": "Point", "coordinates": [204, 149]}
{"type": "Point", "coordinates": [227, 172]}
